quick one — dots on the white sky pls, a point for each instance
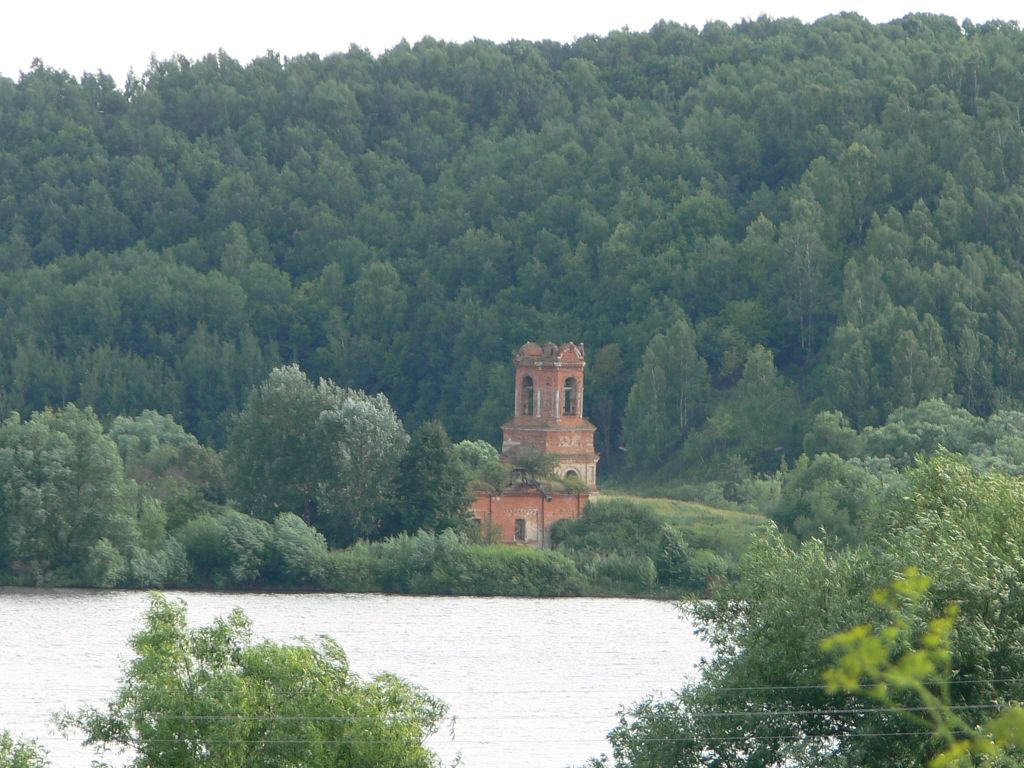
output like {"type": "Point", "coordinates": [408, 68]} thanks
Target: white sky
{"type": "Point", "coordinates": [117, 35]}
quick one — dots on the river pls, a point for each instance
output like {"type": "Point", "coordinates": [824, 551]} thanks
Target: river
{"type": "Point", "coordinates": [529, 683]}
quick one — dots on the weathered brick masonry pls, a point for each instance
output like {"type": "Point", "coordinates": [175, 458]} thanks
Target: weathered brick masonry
{"type": "Point", "coordinates": [548, 417]}
{"type": "Point", "coordinates": [533, 508]}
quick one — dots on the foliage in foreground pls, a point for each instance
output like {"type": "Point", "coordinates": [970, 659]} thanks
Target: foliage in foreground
{"type": "Point", "coordinates": [761, 702]}
{"type": "Point", "coordinates": [20, 754]}
{"type": "Point", "coordinates": [875, 665]}
{"type": "Point", "coordinates": [214, 697]}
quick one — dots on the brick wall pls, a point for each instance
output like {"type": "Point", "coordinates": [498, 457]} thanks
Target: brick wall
{"type": "Point", "coordinates": [497, 514]}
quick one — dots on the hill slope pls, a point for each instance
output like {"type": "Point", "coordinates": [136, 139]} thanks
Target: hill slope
{"type": "Point", "coordinates": [787, 217]}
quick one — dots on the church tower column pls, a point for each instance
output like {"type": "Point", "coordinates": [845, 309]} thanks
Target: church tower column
{"type": "Point", "coordinates": [548, 414]}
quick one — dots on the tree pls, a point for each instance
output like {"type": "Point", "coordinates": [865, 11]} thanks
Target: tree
{"type": "Point", "coordinates": [361, 442]}
{"type": "Point", "coordinates": [481, 464]}
{"type": "Point", "coordinates": [875, 666]}
{"type": "Point", "coordinates": [605, 392]}
{"type": "Point", "coordinates": [62, 493]}
{"type": "Point", "coordinates": [20, 754]}
{"type": "Point", "coordinates": [214, 697]}
{"type": "Point", "coordinates": [964, 529]}
{"type": "Point", "coordinates": [807, 271]}
{"type": "Point", "coordinates": [168, 463]}
{"type": "Point", "coordinates": [668, 398]}
{"type": "Point", "coordinates": [538, 466]}
{"type": "Point", "coordinates": [321, 452]}
{"type": "Point", "coordinates": [758, 421]}
{"type": "Point", "coordinates": [827, 496]}
{"type": "Point", "coordinates": [431, 486]}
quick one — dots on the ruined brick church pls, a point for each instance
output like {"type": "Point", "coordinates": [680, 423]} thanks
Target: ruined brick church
{"type": "Point", "coordinates": [548, 418]}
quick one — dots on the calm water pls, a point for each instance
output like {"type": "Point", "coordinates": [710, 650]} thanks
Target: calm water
{"type": "Point", "coordinates": [531, 683]}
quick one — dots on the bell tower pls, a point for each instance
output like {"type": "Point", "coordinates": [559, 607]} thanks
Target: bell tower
{"type": "Point", "coordinates": [549, 410]}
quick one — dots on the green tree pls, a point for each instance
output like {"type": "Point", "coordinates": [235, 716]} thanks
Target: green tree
{"type": "Point", "coordinates": [758, 422]}
{"type": "Point", "coordinates": [272, 459]}
{"type": "Point", "coordinates": [20, 754]}
{"type": "Point", "coordinates": [431, 492]}
{"type": "Point", "coordinates": [360, 442]}
{"type": "Point", "coordinates": [807, 272]}
{"type": "Point", "coordinates": [606, 393]}
{"type": "Point", "coordinates": [481, 464]}
{"type": "Point", "coordinates": [963, 528]}
{"type": "Point", "coordinates": [318, 451]}
{"type": "Point", "coordinates": [214, 697]}
{"type": "Point", "coordinates": [62, 492]}
{"type": "Point", "coordinates": [168, 463]}
{"type": "Point", "coordinates": [668, 398]}
{"type": "Point", "coordinates": [827, 496]}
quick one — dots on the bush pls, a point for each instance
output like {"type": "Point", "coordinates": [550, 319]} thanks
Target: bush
{"type": "Point", "coordinates": [105, 566]}
{"type": "Point", "coordinates": [628, 574]}
{"type": "Point", "coordinates": [827, 496]}
{"type": "Point", "coordinates": [351, 570]}
{"type": "Point", "coordinates": [298, 552]}
{"type": "Point", "coordinates": [166, 566]}
{"type": "Point", "coordinates": [617, 525]}
{"type": "Point", "coordinates": [706, 568]}
{"type": "Point", "coordinates": [21, 754]}
{"type": "Point", "coordinates": [632, 550]}
{"type": "Point", "coordinates": [227, 549]}
{"type": "Point", "coordinates": [443, 564]}
{"type": "Point", "coordinates": [673, 559]}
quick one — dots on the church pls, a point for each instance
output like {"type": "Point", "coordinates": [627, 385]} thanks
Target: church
{"type": "Point", "coordinates": [548, 419]}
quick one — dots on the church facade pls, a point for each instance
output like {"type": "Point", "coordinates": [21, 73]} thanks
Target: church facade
{"type": "Point", "coordinates": [547, 419]}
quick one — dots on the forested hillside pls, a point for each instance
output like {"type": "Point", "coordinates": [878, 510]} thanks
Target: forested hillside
{"type": "Point", "coordinates": [746, 225]}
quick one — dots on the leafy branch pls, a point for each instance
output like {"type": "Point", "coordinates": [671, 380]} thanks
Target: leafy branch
{"type": "Point", "coordinates": [873, 665]}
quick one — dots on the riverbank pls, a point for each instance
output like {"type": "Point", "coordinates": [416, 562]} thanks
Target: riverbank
{"type": "Point", "coordinates": [433, 564]}
{"type": "Point", "coordinates": [623, 547]}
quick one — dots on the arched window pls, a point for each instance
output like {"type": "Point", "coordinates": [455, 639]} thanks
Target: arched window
{"type": "Point", "coordinates": [569, 397]}
{"type": "Point", "coordinates": [572, 473]}
{"type": "Point", "coordinates": [526, 397]}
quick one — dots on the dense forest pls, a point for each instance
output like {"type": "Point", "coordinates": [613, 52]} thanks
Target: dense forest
{"type": "Point", "coordinates": [745, 224]}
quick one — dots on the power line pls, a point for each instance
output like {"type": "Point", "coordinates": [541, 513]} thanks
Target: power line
{"type": "Point", "coordinates": [536, 739]}
{"type": "Point", "coordinates": [270, 717]}
{"type": "Point", "coordinates": [822, 686]}
{"type": "Point", "coordinates": [537, 691]}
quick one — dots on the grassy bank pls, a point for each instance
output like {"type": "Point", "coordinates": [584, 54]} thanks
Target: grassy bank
{"type": "Point", "coordinates": [727, 532]}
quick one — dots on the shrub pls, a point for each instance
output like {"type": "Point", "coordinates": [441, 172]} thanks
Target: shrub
{"type": "Point", "coordinates": [443, 564]}
{"type": "Point", "coordinates": [623, 573]}
{"type": "Point", "coordinates": [105, 566]}
{"type": "Point", "coordinates": [228, 548]}
{"type": "Point", "coordinates": [166, 566]}
{"type": "Point", "coordinates": [298, 553]}
{"type": "Point", "coordinates": [21, 754]}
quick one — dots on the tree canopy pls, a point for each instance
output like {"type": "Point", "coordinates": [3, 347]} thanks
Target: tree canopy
{"type": "Point", "coordinates": [762, 700]}
{"type": "Point", "coordinates": [214, 696]}
{"type": "Point", "coordinates": [842, 195]}
{"type": "Point", "coordinates": [323, 453]}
